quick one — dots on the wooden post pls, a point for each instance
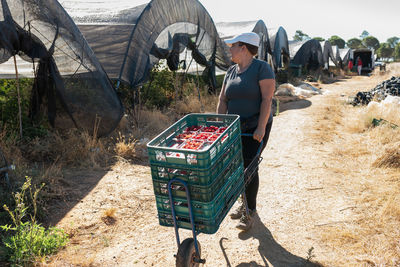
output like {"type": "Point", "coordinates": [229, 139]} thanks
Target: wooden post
{"type": "Point", "coordinates": [19, 98]}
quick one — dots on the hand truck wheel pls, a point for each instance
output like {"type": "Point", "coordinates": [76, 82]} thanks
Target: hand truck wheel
{"type": "Point", "coordinates": [187, 255]}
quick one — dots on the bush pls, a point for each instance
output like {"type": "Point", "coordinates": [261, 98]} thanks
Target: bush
{"type": "Point", "coordinates": [9, 109]}
{"type": "Point", "coordinates": [164, 88]}
{"type": "Point", "coordinates": [159, 91]}
{"type": "Point", "coordinates": [27, 241]}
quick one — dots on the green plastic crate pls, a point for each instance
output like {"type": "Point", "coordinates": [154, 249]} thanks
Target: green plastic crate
{"type": "Point", "coordinates": [203, 210]}
{"type": "Point", "coordinates": [204, 225]}
{"type": "Point", "coordinates": [160, 150]}
{"type": "Point", "coordinates": [203, 193]}
{"type": "Point", "coordinates": [197, 176]}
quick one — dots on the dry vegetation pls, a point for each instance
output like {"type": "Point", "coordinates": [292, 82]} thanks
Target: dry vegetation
{"type": "Point", "coordinates": [368, 167]}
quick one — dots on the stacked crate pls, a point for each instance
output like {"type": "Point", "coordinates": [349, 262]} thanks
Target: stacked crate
{"type": "Point", "coordinates": [204, 151]}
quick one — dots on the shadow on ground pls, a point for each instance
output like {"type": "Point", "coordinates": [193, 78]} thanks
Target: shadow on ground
{"type": "Point", "coordinates": [76, 184]}
{"type": "Point", "coordinates": [289, 103]}
{"type": "Point", "coordinates": [270, 251]}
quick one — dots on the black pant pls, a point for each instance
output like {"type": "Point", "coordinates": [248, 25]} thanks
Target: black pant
{"type": "Point", "coordinates": [249, 150]}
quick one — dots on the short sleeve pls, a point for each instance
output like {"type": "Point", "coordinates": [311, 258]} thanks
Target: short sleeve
{"type": "Point", "coordinates": [265, 71]}
{"type": "Point", "coordinates": [228, 72]}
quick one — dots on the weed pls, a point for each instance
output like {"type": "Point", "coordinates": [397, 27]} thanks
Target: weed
{"type": "Point", "coordinates": [310, 254]}
{"type": "Point", "coordinates": [125, 147]}
{"type": "Point", "coordinates": [27, 241]}
{"type": "Point", "coordinates": [110, 212]}
{"type": "Point", "coordinates": [106, 241]}
{"type": "Point", "coordinates": [109, 216]}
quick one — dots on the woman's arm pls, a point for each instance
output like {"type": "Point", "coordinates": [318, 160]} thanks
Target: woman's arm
{"type": "Point", "coordinates": [222, 106]}
{"type": "Point", "coordinates": [267, 87]}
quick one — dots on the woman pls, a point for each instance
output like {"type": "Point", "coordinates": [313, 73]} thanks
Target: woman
{"type": "Point", "coordinates": [247, 90]}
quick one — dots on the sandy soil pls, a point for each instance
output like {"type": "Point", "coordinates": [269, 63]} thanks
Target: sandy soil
{"type": "Point", "coordinates": [297, 198]}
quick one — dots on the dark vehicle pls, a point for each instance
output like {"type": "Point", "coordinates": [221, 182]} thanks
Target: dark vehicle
{"type": "Point", "coordinates": [367, 58]}
{"type": "Point", "coordinates": [381, 65]}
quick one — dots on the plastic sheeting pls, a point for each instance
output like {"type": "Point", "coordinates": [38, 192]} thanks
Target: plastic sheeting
{"type": "Point", "coordinates": [346, 54]}
{"type": "Point", "coordinates": [69, 81]}
{"type": "Point", "coordinates": [389, 87]}
{"type": "Point", "coordinates": [229, 29]}
{"type": "Point", "coordinates": [131, 41]}
{"type": "Point", "coordinates": [280, 48]}
{"type": "Point", "coordinates": [306, 53]}
{"type": "Point", "coordinates": [327, 53]}
{"type": "Point", "coordinates": [336, 56]}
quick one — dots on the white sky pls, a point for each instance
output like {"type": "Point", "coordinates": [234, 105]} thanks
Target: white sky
{"type": "Point", "coordinates": [317, 18]}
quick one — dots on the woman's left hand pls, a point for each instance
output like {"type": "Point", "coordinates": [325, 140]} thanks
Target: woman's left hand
{"type": "Point", "coordinates": [259, 134]}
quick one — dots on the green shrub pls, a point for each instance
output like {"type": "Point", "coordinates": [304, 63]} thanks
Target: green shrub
{"type": "Point", "coordinates": [9, 109]}
{"type": "Point", "coordinates": [164, 87]}
{"type": "Point", "coordinates": [159, 91]}
{"type": "Point", "coordinates": [26, 241]}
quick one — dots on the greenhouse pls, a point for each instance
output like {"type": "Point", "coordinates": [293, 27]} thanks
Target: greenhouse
{"type": "Point", "coordinates": [346, 55]}
{"type": "Point", "coordinates": [69, 82]}
{"type": "Point", "coordinates": [130, 41]}
{"type": "Point", "coordinates": [327, 54]}
{"type": "Point", "coordinates": [336, 56]}
{"type": "Point", "coordinates": [306, 53]}
{"type": "Point", "coordinates": [229, 29]}
{"type": "Point", "coordinates": [280, 49]}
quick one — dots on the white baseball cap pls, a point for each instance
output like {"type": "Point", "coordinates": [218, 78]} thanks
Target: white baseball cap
{"type": "Point", "coordinates": [247, 37]}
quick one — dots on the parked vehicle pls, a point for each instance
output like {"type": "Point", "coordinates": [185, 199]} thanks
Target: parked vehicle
{"type": "Point", "coordinates": [381, 65]}
{"type": "Point", "coordinates": [367, 56]}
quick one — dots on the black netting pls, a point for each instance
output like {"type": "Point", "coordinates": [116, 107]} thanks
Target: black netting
{"type": "Point", "coordinates": [336, 56]}
{"type": "Point", "coordinates": [229, 29]}
{"type": "Point", "coordinates": [327, 53]}
{"type": "Point", "coordinates": [264, 49]}
{"type": "Point", "coordinates": [69, 78]}
{"type": "Point", "coordinates": [130, 42]}
{"type": "Point", "coordinates": [279, 48]}
{"type": "Point", "coordinates": [306, 53]}
{"type": "Point", "coordinates": [346, 55]}
{"type": "Point", "coordinates": [155, 19]}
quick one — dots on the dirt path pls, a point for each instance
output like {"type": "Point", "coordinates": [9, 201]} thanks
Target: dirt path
{"type": "Point", "coordinates": [297, 198]}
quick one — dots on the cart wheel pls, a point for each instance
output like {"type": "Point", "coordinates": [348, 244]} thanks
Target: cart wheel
{"type": "Point", "coordinates": [187, 254]}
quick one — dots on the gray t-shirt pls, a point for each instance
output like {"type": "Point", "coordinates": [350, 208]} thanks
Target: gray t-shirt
{"type": "Point", "coordinates": [242, 90]}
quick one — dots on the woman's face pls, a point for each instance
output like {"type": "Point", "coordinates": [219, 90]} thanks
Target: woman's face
{"type": "Point", "coordinates": [236, 50]}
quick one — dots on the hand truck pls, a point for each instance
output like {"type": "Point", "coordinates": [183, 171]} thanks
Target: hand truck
{"type": "Point", "coordinates": [189, 251]}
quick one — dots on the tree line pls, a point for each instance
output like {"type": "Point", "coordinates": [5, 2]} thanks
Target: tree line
{"type": "Point", "coordinates": [388, 49]}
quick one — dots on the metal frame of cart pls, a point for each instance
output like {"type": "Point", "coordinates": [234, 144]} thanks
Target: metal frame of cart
{"type": "Point", "coordinates": [189, 253]}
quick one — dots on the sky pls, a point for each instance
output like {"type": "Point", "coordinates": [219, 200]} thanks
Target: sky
{"type": "Point", "coordinates": [316, 18]}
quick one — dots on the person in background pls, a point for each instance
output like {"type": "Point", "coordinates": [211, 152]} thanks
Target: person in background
{"type": "Point", "coordinates": [247, 90]}
{"type": "Point", "coordinates": [350, 65]}
{"type": "Point", "coordinates": [359, 65]}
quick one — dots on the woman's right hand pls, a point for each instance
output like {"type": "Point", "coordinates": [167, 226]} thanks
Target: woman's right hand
{"type": "Point", "coordinates": [259, 134]}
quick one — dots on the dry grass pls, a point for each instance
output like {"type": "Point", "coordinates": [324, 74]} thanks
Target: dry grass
{"type": "Point", "coordinates": [328, 119]}
{"type": "Point", "coordinates": [374, 231]}
{"type": "Point", "coordinates": [73, 148]}
{"type": "Point", "coordinates": [45, 158]}
{"type": "Point", "coordinates": [128, 147]}
{"type": "Point", "coordinates": [192, 104]}
{"type": "Point", "coordinates": [390, 158]}
{"type": "Point", "coordinates": [149, 123]}
{"type": "Point", "coordinates": [368, 159]}
{"type": "Point", "coordinates": [12, 152]}
{"type": "Point", "coordinates": [109, 216]}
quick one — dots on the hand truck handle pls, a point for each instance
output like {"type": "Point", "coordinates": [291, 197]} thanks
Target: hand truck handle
{"type": "Point", "coordinates": [260, 146]}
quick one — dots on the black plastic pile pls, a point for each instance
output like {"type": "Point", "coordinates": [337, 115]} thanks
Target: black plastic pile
{"type": "Point", "coordinates": [388, 87]}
